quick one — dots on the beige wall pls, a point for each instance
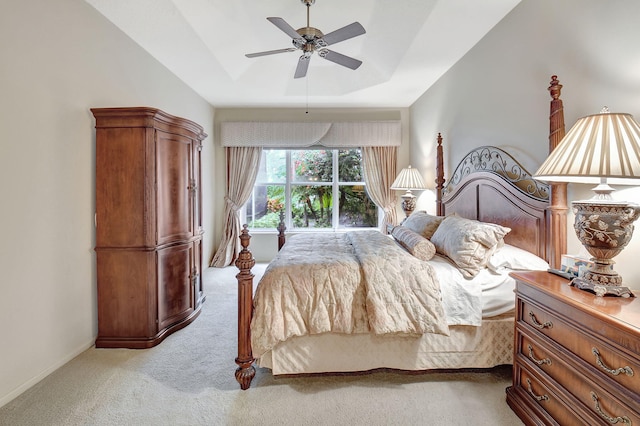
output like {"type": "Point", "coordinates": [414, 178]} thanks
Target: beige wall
{"type": "Point", "coordinates": [58, 60]}
{"type": "Point", "coordinates": [264, 245]}
{"type": "Point", "coordinates": [497, 93]}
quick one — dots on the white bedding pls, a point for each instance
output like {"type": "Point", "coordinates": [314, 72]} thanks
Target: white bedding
{"type": "Point", "coordinates": [479, 312]}
{"type": "Point", "coordinates": [486, 346]}
{"type": "Point", "coordinates": [357, 282]}
{"type": "Point", "coordinates": [488, 294]}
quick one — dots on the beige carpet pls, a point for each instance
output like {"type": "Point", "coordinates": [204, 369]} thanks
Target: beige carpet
{"type": "Point", "coordinates": [188, 380]}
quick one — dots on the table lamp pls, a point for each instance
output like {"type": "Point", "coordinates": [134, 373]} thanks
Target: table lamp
{"type": "Point", "coordinates": [601, 148]}
{"type": "Point", "coordinates": [408, 179]}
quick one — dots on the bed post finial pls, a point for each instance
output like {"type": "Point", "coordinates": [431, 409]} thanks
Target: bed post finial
{"type": "Point", "coordinates": [555, 87]}
{"type": "Point", "coordinates": [439, 177]}
{"type": "Point", "coordinates": [245, 371]}
{"type": "Point", "coordinates": [556, 115]}
{"type": "Point", "coordinates": [557, 225]}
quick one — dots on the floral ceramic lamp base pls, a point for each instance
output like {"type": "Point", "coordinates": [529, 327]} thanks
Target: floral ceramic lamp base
{"type": "Point", "coordinates": [604, 228]}
{"type": "Point", "coordinates": [408, 203]}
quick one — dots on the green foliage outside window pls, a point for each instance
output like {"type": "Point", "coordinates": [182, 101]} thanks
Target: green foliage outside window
{"type": "Point", "coordinates": [311, 190]}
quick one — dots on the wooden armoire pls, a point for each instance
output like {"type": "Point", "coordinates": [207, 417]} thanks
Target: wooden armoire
{"type": "Point", "coordinates": [148, 225]}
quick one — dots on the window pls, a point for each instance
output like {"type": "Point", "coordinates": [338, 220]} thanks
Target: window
{"type": "Point", "coordinates": [314, 188]}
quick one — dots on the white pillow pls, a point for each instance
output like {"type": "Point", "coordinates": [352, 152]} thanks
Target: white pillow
{"type": "Point", "coordinates": [517, 259]}
{"type": "Point", "coordinates": [422, 223]}
{"type": "Point", "coordinates": [468, 243]}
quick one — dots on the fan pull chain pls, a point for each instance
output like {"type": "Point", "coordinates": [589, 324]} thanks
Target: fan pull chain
{"type": "Point", "coordinates": [306, 82]}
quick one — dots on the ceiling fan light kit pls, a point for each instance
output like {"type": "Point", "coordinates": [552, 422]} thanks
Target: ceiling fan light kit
{"type": "Point", "coordinates": [309, 39]}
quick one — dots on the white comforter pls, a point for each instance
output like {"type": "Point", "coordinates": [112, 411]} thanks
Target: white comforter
{"type": "Point", "coordinates": [357, 282]}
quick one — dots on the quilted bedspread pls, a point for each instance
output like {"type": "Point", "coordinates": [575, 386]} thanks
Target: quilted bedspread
{"type": "Point", "coordinates": [356, 282]}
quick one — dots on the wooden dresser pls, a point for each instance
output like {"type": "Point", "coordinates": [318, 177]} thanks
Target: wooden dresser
{"type": "Point", "coordinates": [148, 225]}
{"type": "Point", "coordinates": [576, 356]}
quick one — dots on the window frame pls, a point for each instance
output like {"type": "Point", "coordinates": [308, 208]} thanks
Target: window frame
{"type": "Point", "coordinates": [289, 183]}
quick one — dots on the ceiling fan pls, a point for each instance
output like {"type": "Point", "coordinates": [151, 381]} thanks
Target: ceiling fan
{"type": "Point", "coordinates": [309, 40]}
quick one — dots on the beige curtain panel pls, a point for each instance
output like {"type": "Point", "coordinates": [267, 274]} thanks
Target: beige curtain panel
{"type": "Point", "coordinates": [380, 165]}
{"type": "Point", "coordinates": [242, 169]}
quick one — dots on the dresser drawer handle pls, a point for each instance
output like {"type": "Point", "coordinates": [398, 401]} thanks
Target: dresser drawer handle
{"type": "Point", "coordinates": [537, 397]}
{"type": "Point", "coordinates": [626, 369]}
{"type": "Point", "coordinates": [535, 322]}
{"type": "Point", "coordinates": [538, 361]}
{"type": "Point", "coordinates": [612, 420]}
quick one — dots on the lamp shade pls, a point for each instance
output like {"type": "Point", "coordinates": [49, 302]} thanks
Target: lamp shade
{"type": "Point", "coordinates": [605, 145]}
{"type": "Point", "coordinates": [408, 178]}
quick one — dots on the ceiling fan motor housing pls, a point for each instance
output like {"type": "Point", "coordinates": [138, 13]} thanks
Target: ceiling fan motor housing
{"type": "Point", "coordinates": [310, 41]}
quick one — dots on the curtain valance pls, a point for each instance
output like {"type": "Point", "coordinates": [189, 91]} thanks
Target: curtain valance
{"type": "Point", "coordinates": [304, 134]}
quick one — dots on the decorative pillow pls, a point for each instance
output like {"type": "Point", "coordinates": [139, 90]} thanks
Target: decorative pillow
{"type": "Point", "coordinates": [468, 243]}
{"type": "Point", "coordinates": [415, 243]}
{"type": "Point", "coordinates": [423, 223]}
{"type": "Point", "coordinates": [514, 258]}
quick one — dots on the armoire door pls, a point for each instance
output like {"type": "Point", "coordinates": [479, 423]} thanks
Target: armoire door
{"type": "Point", "coordinates": [174, 171]}
{"type": "Point", "coordinates": [175, 290]}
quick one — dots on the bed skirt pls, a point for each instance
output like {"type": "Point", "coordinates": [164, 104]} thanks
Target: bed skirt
{"type": "Point", "coordinates": [467, 347]}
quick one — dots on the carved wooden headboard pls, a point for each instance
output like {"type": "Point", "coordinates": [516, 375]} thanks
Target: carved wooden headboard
{"type": "Point", "coordinates": [491, 186]}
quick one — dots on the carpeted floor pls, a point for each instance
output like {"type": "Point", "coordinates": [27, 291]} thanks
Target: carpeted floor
{"type": "Point", "coordinates": [188, 380]}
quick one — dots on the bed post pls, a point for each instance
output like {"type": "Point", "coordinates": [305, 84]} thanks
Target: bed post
{"type": "Point", "coordinates": [245, 371]}
{"type": "Point", "coordinates": [439, 177]}
{"type": "Point", "coordinates": [557, 210]}
{"type": "Point", "coordinates": [281, 228]}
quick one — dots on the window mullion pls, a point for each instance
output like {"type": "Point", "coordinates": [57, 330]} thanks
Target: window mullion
{"type": "Point", "coordinates": [288, 212]}
{"type": "Point", "coordinates": [335, 208]}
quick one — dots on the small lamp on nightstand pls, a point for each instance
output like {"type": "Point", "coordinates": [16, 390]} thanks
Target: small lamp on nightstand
{"type": "Point", "coordinates": [408, 180]}
{"type": "Point", "coordinates": [601, 148]}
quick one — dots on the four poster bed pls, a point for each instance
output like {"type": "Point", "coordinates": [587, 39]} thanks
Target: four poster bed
{"type": "Point", "coordinates": [362, 300]}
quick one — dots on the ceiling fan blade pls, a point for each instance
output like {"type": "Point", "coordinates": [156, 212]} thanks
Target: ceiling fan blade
{"type": "Point", "coordinates": [340, 59]}
{"type": "Point", "coordinates": [344, 33]}
{"type": "Point", "coordinates": [282, 24]}
{"type": "Point", "coordinates": [270, 52]}
{"type": "Point", "coordinates": [303, 66]}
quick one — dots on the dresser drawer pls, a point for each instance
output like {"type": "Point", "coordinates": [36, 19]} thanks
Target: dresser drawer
{"type": "Point", "coordinates": [595, 395]}
{"type": "Point", "coordinates": [612, 364]}
{"type": "Point", "coordinates": [536, 391]}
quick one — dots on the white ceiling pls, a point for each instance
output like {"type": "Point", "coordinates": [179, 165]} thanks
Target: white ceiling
{"type": "Point", "coordinates": [408, 45]}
